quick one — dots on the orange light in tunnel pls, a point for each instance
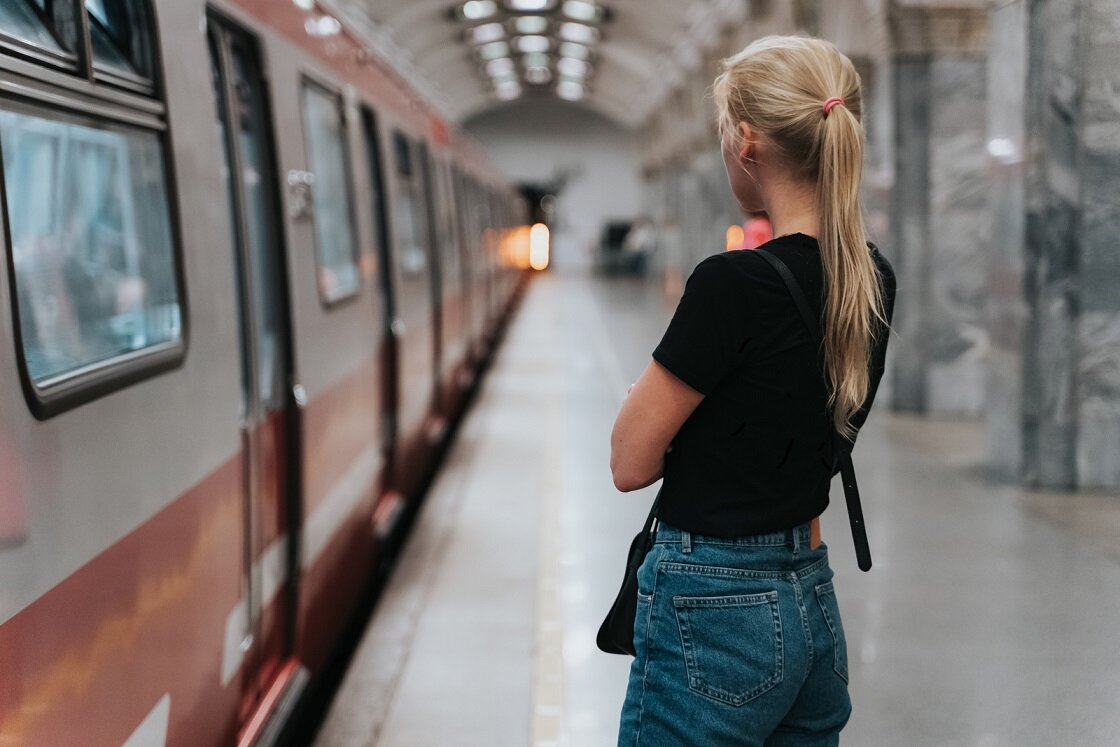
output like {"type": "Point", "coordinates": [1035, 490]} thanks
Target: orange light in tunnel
{"type": "Point", "coordinates": [735, 236]}
{"type": "Point", "coordinates": [538, 246]}
{"type": "Point", "coordinates": [514, 248]}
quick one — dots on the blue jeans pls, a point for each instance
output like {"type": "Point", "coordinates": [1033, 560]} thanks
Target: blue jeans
{"type": "Point", "coordinates": [739, 642]}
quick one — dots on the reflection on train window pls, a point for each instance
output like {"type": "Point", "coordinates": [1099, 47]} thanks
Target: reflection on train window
{"type": "Point", "coordinates": [334, 230]}
{"type": "Point", "coordinates": [18, 19]}
{"type": "Point", "coordinates": [410, 222]}
{"type": "Point", "coordinates": [118, 32]}
{"type": "Point", "coordinates": [91, 243]}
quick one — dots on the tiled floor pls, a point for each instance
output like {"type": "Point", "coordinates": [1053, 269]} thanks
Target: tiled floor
{"type": "Point", "coordinates": [990, 617]}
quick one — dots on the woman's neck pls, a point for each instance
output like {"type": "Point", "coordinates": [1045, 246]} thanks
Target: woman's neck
{"type": "Point", "coordinates": [792, 208]}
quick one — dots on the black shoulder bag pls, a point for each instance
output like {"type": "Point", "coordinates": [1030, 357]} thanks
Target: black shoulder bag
{"type": "Point", "coordinates": [843, 447]}
{"type": "Point", "coordinates": [616, 634]}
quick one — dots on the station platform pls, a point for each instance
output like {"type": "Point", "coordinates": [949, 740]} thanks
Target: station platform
{"type": "Point", "coordinates": [989, 618]}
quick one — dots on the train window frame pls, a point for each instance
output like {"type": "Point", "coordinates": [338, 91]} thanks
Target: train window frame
{"type": "Point", "coordinates": [309, 82]}
{"type": "Point", "coordinates": [62, 392]}
{"type": "Point", "coordinates": [76, 57]}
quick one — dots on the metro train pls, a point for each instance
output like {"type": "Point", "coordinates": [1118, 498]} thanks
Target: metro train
{"type": "Point", "coordinates": [249, 277]}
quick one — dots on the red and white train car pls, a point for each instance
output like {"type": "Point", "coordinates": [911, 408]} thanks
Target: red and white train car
{"type": "Point", "coordinates": [248, 274]}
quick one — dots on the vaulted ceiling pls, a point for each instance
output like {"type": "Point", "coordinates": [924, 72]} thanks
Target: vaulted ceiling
{"type": "Point", "coordinates": [637, 50]}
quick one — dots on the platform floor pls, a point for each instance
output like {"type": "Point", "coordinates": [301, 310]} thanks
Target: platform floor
{"type": "Point", "coordinates": [990, 618]}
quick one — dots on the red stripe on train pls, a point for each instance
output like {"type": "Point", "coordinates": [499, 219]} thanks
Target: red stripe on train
{"type": "Point", "coordinates": [87, 661]}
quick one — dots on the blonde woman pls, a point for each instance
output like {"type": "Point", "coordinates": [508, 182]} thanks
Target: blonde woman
{"type": "Point", "coordinates": [738, 632]}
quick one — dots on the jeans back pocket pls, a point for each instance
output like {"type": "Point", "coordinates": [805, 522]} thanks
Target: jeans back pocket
{"type": "Point", "coordinates": [732, 644]}
{"type": "Point", "coordinates": [826, 597]}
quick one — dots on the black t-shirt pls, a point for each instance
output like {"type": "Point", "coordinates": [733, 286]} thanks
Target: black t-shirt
{"type": "Point", "coordinates": [757, 454]}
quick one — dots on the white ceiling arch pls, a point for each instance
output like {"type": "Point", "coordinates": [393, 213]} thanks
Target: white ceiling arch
{"type": "Point", "coordinates": [641, 41]}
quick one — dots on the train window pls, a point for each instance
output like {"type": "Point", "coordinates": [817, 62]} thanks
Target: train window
{"type": "Point", "coordinates": [21, 21]}
{"type": "Point", "coordinates": [336, 247]}
{"type": "Point", "coordinates": [118, 35]}
{"type": "Point", "coordinates": [249, 191]}
{"type": "Point", "coordinates": [410, 223]}
{"type": "Point", "coordinates": [118, 50]}
{"type": "Point", "coordinates": [90, 236]}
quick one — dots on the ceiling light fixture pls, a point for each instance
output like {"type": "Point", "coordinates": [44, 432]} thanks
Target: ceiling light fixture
{"type": "Point", "coordinates": [477, 10]}
{"type": "Point", "coordinates": [531, 24]}
{"type": "Point", "coordinates": [575, 51]}
{"type": "Point", "coordinates": [500, 66]}
{"type": "Point", "coordinates": [530, 6]}
{"type": "Point", "coordinates": [572, 68]}
{"type": "Point", "coordinates": [579, 33]}
{"type": "Point", "coordinates": [580, 10]}
{"type": "Point", "coordinates": [534, 43]}
{"type": "Point", "coordinates": [487, 32]}
{"type": "Point", "coordinates": [494, 50]}
{"type": "Point", "coordinates": [536, 59]}
{"type": "Point", "coordinates": [508, 90]}
{"type": "Point", "coordinates": [569, 90]}
{"type": "Point", "coordinates": [538, 75]}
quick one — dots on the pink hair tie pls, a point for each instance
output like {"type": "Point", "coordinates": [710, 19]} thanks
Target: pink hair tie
{"type": "Point", "coordinates": [831, 103]}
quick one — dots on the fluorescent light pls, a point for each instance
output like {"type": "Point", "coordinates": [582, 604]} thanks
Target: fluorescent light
{"type": "Point", "coordinates": [534, 43]}
{"type": "Point", "coordinates": [531, 24]}
{"type": "Point", "coordinates": [580, 10]}
{"type": "Point", "coordinates": [530, 6]}
{"type": "Point", "coordinates": [476, 10]}
{"type": "Point", "coordinates": [305, 4]}
{"type": "Point", "coordinates": [575, 51]}
{"type": "Point", "coordinates": [487, 32]}
{"type": "Point", "coordinates": [578, 32]}
{"type": "Point", "coordinates": [572, 68]}
{"type": "Point", "coordinates": [570, 90]}
{"type": "Point", "coordinates": [507, 91]}
{"type": "Point", "coordinates": [500, 66]}
{"type": "Point", "coordinates": [494, 50]}
{"type": "Point", "coordinates": [536, 60]}
{"type": "Point", "coordinates": [538, 75]}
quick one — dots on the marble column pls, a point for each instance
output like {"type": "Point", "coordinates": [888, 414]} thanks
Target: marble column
{"type": "Point", "coordinates": [939, 205]}
{"type": "Point", "coordinates": [1071, 413]}
{"type": "Point", "coordinates": [1054, 310]}
{"type": "Point", "coordinates": [1098, 334]}
{"type": "Point", "coordinates": [1006, 308]}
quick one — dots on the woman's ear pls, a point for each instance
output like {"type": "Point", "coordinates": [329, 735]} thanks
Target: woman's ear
{"type": "Point", "coordinates": [747, 142]}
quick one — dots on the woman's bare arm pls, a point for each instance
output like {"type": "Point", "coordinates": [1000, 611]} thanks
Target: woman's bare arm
{"type": "Point", "coordinates": [652, 413]}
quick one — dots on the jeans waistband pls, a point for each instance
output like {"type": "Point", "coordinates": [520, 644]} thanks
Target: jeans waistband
{"type": "Point", "coordinates": [795, 537]}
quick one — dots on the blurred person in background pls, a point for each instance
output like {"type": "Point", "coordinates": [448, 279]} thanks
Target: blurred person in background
{"type": "Point", "coordinates": [738, 633]}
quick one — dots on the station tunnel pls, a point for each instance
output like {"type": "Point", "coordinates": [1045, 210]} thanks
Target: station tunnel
{"type": "Point", "coordinates": [320, 321]}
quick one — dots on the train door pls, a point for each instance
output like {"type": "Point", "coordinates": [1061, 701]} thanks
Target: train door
{"type": "Point", "coordinates": [263, 631]}
{"type": "Point", "coordinates": [388, 328]}
{"type": "Point", "coordinates": [434, 243]}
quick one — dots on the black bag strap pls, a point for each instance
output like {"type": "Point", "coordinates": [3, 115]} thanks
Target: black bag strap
{"type": "Point", "coordinates": [841, 445]}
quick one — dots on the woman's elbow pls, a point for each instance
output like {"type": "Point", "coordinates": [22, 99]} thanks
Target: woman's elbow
{"type": "Point", "coordinates": [627, 478]}
{"type": "Point", "coordinates": [625, 481]}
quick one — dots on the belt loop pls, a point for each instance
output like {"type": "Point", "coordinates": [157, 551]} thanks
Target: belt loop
{"type": "Point", "coordinates": [686, 542]}
{"type": "Point", "coordinates": [796, 535]}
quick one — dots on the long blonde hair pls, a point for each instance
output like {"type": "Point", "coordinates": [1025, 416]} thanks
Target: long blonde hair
{"type": "Point", "coordinates": [778, 85]}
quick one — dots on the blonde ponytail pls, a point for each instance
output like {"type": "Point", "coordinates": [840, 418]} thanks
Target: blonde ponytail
{"type": "Point", "coordinates": [779, 85]}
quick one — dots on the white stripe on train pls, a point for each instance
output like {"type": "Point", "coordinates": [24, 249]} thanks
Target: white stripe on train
{"type": "Point", "coordinates": [320, 528]}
